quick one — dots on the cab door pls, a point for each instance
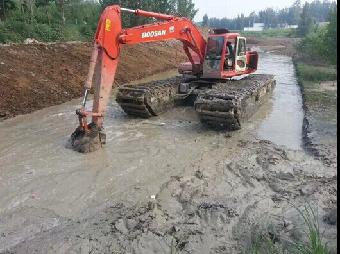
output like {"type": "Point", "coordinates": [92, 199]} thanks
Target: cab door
{"type": "Point", "coordinates": [214, 58]}
{"type": "Point", "coordinates": [241, 56]}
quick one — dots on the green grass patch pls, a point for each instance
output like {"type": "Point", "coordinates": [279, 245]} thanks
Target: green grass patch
{"type": "Point", "coordinates": [272, 32]}
{"type": "Point", "coordinates": [308, 72]}
{"type": "Point", "coordinates": [310, 78]}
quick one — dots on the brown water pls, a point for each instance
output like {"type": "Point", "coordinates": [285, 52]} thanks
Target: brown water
{"type": "Point", "coordinates": [36, 170]}
{"type": "Point", "coordinates": [283, 125]}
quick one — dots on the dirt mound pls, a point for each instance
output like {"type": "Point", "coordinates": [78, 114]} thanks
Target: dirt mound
{"type": "Point", "coordinates": [35, 76]}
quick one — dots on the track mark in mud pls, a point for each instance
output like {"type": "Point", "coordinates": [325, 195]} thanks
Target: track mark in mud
{"type": "Point", "coordinates": [209, 208]}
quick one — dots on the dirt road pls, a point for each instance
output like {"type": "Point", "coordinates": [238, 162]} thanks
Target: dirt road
{"type": "Point", "coordinates": [161, 185]}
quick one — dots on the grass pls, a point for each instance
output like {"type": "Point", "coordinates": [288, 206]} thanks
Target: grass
{"type": "Point", "coordinates": [265, 242]}
{"type": "Point", "coordinates": [272, 32]}
{"type": "Point", "coordinates": [315, 244]}
{"type": "Point", "coordinates": [310, 77]}
{"type": "Point", "coordinates": [316, 73]}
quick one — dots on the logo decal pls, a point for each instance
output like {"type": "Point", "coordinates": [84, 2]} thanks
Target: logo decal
{"type": "Point", "coordinates": [108, 25]}
{"type": "Point", "coordinates": [153, 34]}
{"type": "Point", "coordinates": [171, 29]}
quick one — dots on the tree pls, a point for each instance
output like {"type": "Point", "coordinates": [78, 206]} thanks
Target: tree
{"type": "Point", "coordinates": [331, 36]}
{"type": "Point", "coordinates": [6, 5]}
{"type": "Point", "coordinates": [306, 21]}
{"type": "Point", "coordinates": [294, 13]}
{"type": "Point", "coordinates": [205, 20]}
{"type": "Point", "coordinates": [184, 8]}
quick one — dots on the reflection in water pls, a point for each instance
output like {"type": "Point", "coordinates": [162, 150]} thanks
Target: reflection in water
{"type": "Point", "coordinates": [283, 125]}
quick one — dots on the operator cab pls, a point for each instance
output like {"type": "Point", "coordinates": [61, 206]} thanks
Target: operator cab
{"type": "Point", "coordinates": [226, 56]}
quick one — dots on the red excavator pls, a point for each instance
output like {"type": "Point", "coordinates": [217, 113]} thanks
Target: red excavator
{"type": "Point", "coordinates": [223, 56]}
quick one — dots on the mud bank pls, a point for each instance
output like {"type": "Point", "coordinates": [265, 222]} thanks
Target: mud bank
{"type": "Point", "coordinates": [34, 76]}
{"type": "Point", "coordinates": [319, 99]}
{"type": "Point", "coordinates": [320, 116]}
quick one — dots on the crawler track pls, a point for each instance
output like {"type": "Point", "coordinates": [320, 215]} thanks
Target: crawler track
{"type": "Point", "coordinates": [149, 99]}
{"type": "Point", "coordinates": [221, 105]}
{"type": "Point", "coordinates": [226, 105]}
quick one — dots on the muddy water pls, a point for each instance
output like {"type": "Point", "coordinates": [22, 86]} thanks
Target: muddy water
{"type": "Point", "coordinates": [41, 179]}
{"type": "Point", "coordinates": [283, 125]}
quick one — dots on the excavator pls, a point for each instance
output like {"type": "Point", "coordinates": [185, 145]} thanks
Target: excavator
{"type": "Point", "coordinates": [207, 78]}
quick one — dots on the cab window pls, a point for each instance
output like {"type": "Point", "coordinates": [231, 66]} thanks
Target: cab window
{"type": "Point", "coordinates": [214, 48]}
{"type": "Point", "coordinates": [241, 47]}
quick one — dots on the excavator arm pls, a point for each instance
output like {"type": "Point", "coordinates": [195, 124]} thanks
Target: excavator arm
{"type": "Point", "coordinates": [109, 38]}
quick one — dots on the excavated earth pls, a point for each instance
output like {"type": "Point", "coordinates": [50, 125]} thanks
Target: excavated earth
{"type": "Point", "coordinates": [38, 75]}
{"type": "Point", "coordinates": [166, 184]}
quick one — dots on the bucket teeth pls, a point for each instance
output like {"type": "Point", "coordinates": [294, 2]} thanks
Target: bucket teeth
{"type": "Point", "coordinates": [85, 141]}
{"type": "Point", "coordinates": [149, 99]}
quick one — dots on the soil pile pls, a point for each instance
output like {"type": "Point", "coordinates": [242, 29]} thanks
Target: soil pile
{"type": "Point", "coordinates": [35, 76]}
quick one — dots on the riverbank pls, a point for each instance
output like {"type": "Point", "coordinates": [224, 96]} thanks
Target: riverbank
{"type": "Point", "coordinates": [318, 85]}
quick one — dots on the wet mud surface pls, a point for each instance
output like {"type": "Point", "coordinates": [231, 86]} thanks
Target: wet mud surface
{"type": "Point", "coordinates": [160, 185]}
{"type": "Point", "coordinates": [320, 123]}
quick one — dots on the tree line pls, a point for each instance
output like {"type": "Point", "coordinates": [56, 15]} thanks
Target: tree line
{"type": "Point", "coordinates": [55, 20]}
{"type": "Point", "coordinates": [317, 11]}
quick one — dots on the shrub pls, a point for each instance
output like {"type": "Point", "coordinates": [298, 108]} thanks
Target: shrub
{"type": "Point", "coordinates": [44, 32]}
{"type": "Point", "coordinates": [314, 44]}
{"type": "Point", "coordinates": [71, 33]}
{"type": "Point", "coordinates": [316, 73]}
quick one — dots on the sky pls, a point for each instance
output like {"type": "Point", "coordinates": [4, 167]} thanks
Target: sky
{"type": "Point", "coordinates": [231, 8]}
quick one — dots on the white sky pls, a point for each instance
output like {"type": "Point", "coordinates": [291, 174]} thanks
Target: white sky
{"type": "Point", "coordinates": [231, 8]}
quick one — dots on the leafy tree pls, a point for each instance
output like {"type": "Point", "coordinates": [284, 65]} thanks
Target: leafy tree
{"type": "Point", "coordinates": [331, 36]}
{"type": "Point", "coordinates": [6, 5]}
{"type": "Point", "coordinates": [306, 21]}
{"type": "Point", "coordinates": [183, 8]}
{"type": "Point", "coordinates": [294, 13]}
{"type": "Point", "coordinates": [321, 42]}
